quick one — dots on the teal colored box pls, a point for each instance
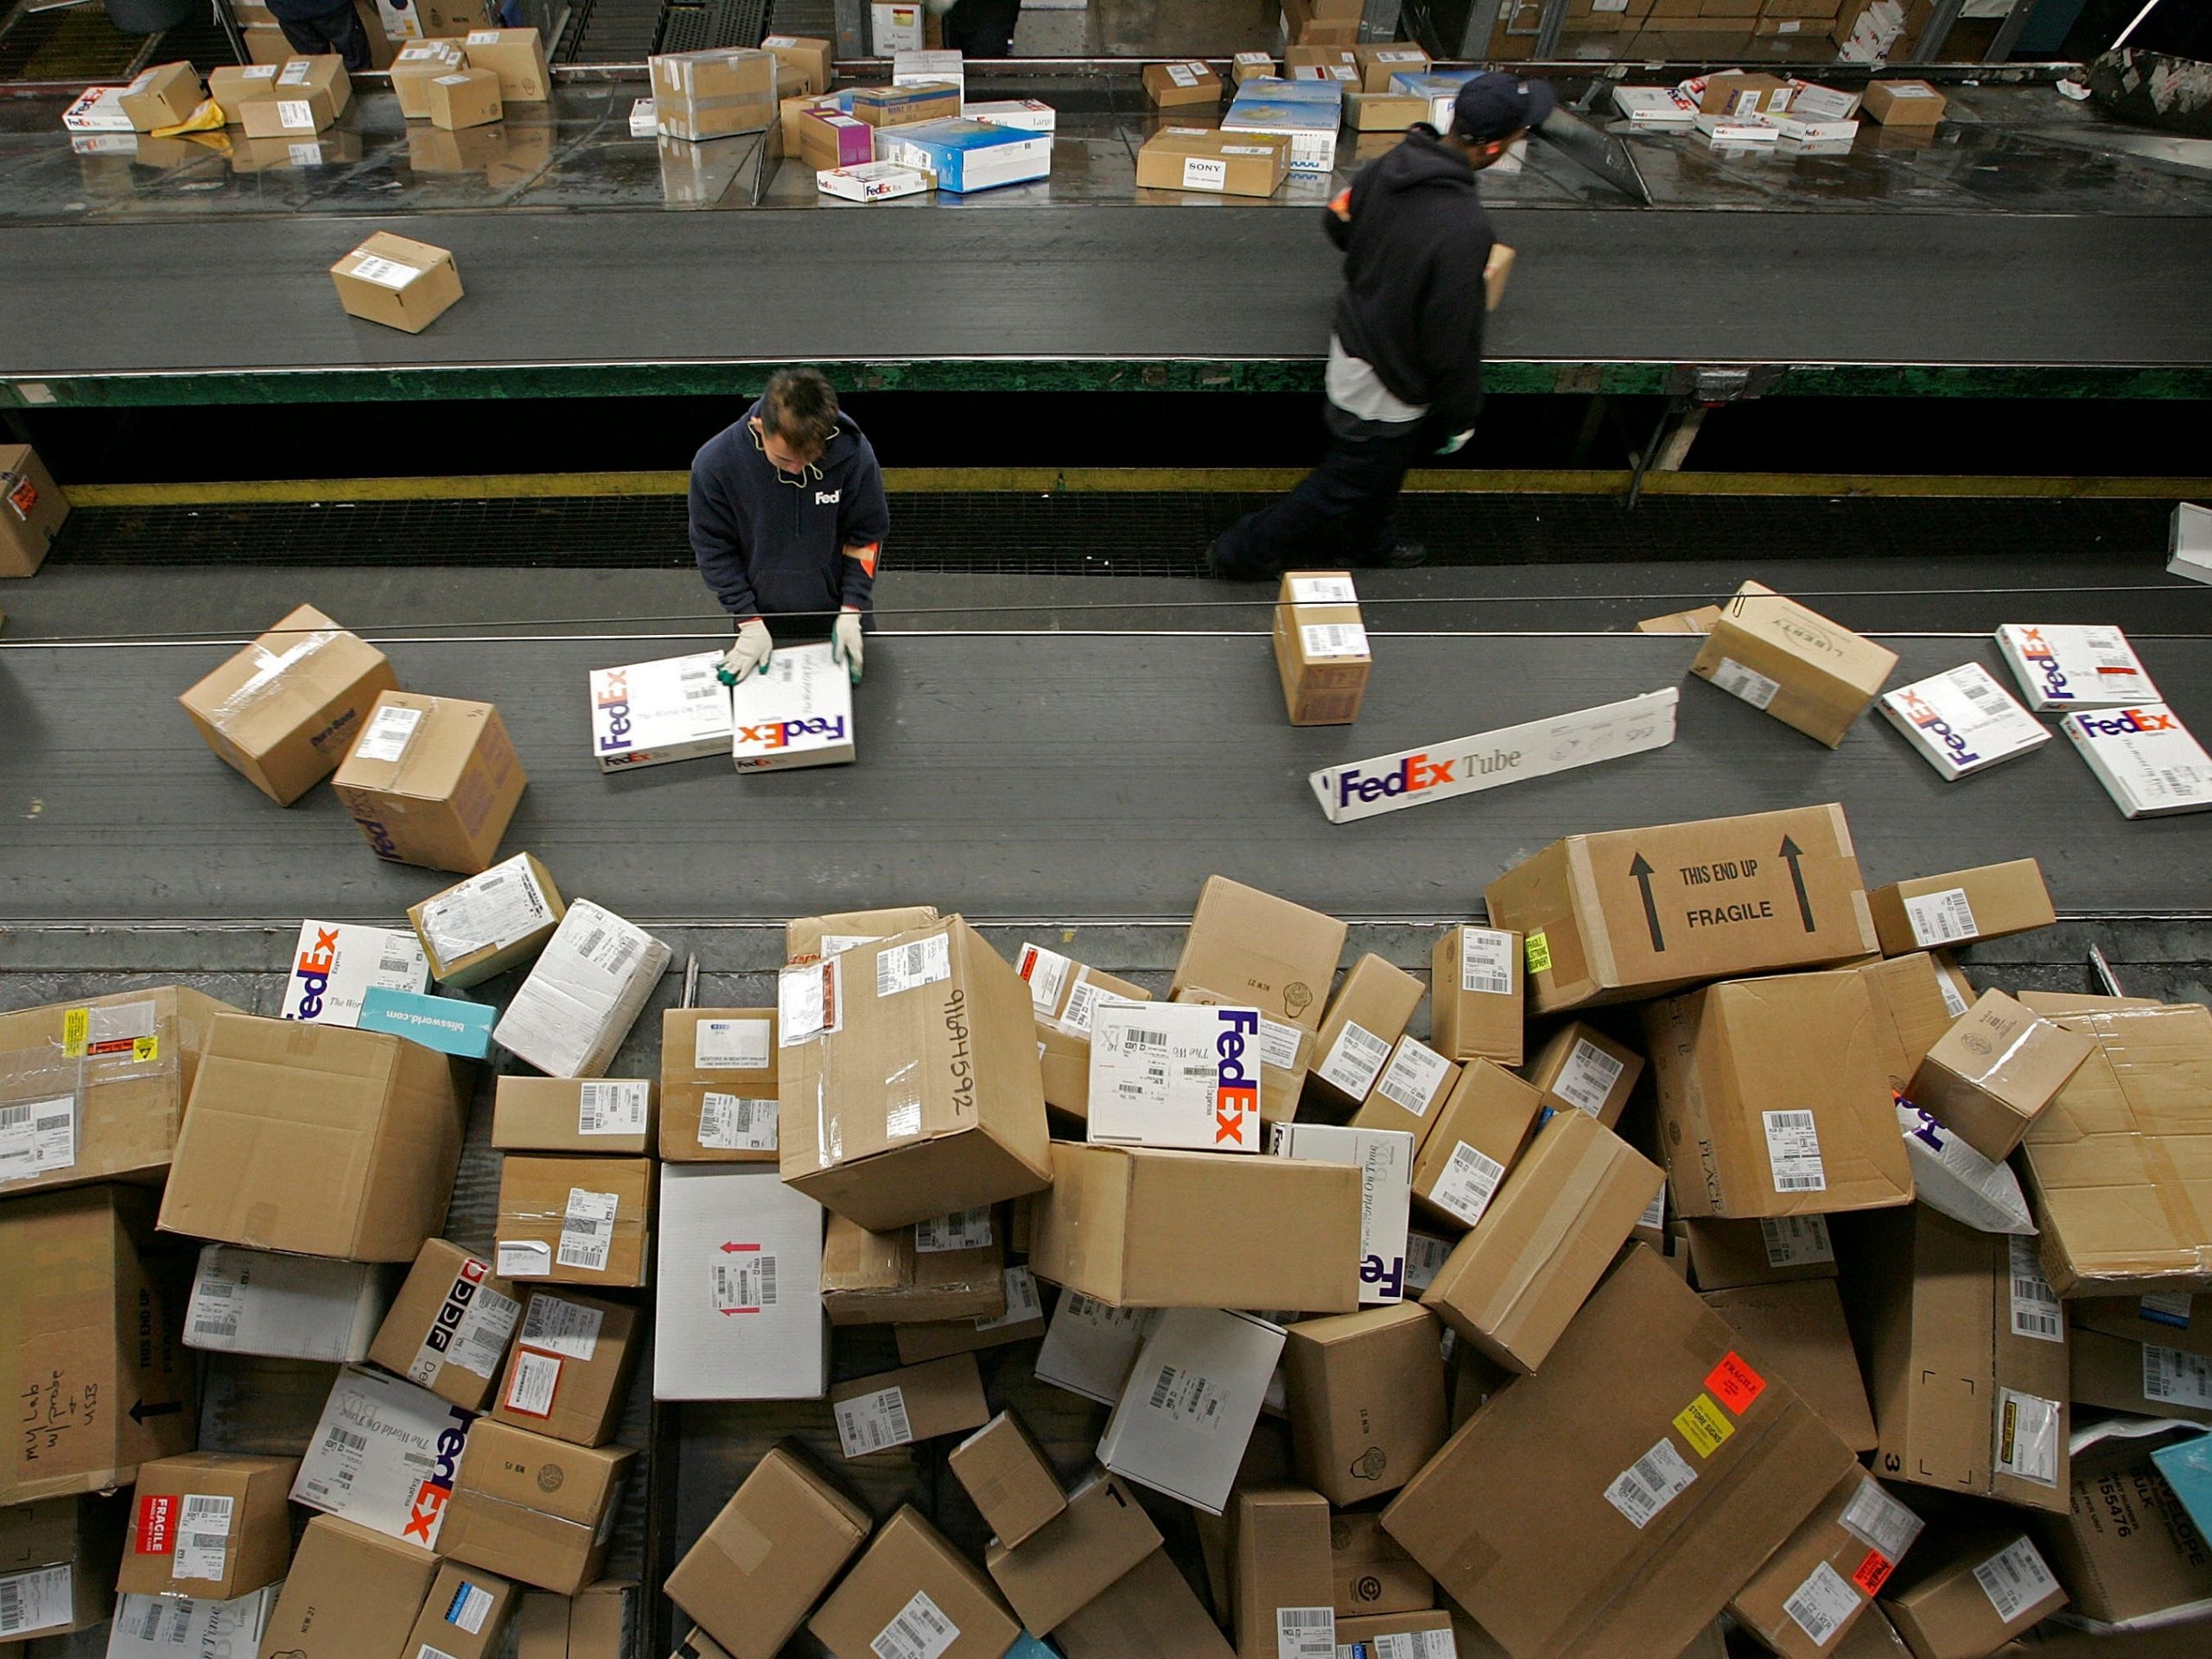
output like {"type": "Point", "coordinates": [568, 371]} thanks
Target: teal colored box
{"type": "Point", "coordinates": [2187, 1465]}
{"type": "Point", "coordinates": [445, 1023]}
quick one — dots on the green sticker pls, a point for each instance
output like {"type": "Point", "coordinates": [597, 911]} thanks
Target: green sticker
{"type": "Point", "coordinates": [1539, 950]}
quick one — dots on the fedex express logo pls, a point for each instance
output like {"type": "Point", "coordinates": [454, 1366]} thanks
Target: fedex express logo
{"type": "Point", "coordinates": [427, 1506]}
{"type": "Point", "coordinates": [1411, 775]}
{"type": "Point", "coordinates": [778, 734]}
{"type": "Point", "coordinates": [2036, 649]}
{"type": "Point", "coordinates": [614, 704]}
{"type": "Point", "coordinates": [312, 974]}
{"type": "Point", "coordinates": [1236, 1089]}
{"type": "Point", "coordinates": [1917, 709]}
{"type": "Point", "coordinates": [2123, 723]}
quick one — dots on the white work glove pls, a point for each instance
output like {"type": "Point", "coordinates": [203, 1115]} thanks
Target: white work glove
{"type": "Point", "coordinates": [1456, 443]}
{"type": "Point", "coordinates": [845, 642]}
{"type": "Point", "coordinates": [749, 653]}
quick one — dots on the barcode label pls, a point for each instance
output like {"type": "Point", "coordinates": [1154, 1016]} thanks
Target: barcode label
{"type": "Point", "coordinates": [587, 1230]}
{"type": "Point", "coordinates": [390, 731]}
{"type": "Point", "coordinates": [1424, 1258]}
{"type": "Point", "coordinates": [1082, 1003]}
{"type": "Point", "coordinates": [1279, 1044]}
{"type": "Point", "coordinates": [1324, 641]}
{"type": "Point", "coordinates": [559, 1326]}
{"type": "Point", "coordinates": [1046, 972]}
{"type": "Point", "coordinates": [1181, 74]}
{"type": "Point", "coordinates": [523, 1258]}
{"type": "Point", "coordinates": [1486, 961]}
{"type": "Point", "coordinates": [2035, 1305]}
{"type": "Point", "coordinates": [1192, 1399]}
{"type": "Point", "coordinates": [1747, 683]}
{"type": "Point", "coordinates": [216, 1304]}
{"type": "Point", "coordinates": [1944, 918]}
{"type": "Point", "coordinates": [1022, 1302]}
{"type": "Point", "coordinates": [1588, 1076]}
{"type": "Point", "coordinates": [384, 273]}
{"type": "Point", "coordinates": [203, 1537]}
{"type": "Point", "coordinates": [1354, 1060]}
{"type": "Point", "coordinates": [470, 1606]}
{"type": "Point", "coordinates": [1468, 1183]}
{"type": "Point", "coordinates": [1415, 1076]}
{"type": "Point", "coordinates": [963, 1229]}
{"type": "Point", "coordinates": [1822, 1604]}
{"type": "Point", "coordinates": [35, 1600]}
{"type": "Point", "coordinates": [2015, 1579]}
{"type": "Point", "coordinates": [920, 1630]}
{"type": "Point", "coordinates": [532, 1383]}
{"type": "Point", "coordinates": [1880, 1522]}
{"type": "Point", "coordinates": [872, 1423]}
{"type": "Point", "coordinates": [346, 1441]}
{"type": "Point", "coordinates": [730, 1046]}
{"type": "Point", "coordinates": [612, 1108]}
{"type": "Point", "coordinates": [1651, 1484]}
{"type": "Point", "coordinates": [1955, 1004]}
{"type": "Point", "coordinates": [745, 1281]}
{"type": "Point", "coordinates": [2028, 1441]}
{"type": "Point", "coordinates": [2173, 1378]}
{"type": "Point", "coordinates": [730, 1124]}
{"type": "Point", "coordinates": [37, 1137]}
{"type": "Point", "coordinates": [1306, 1633]}
{"type": "Point", "coordinates": [906, 967]}
{"type": "Point", "coordinates": [1322, 590]}
{"type": "Point", "coordinates": [1793, 1153]}
{"type": "Point", "coordinates": [1654, 1218]}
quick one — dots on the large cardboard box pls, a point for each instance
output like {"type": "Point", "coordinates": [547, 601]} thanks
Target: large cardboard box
{"type": "Point", "coordinates": [432, 781]}
{"type": "Point", "coordinates": [1074, 1558]}
{"type": "Point", "coordinates": [1799, 1330]}
{"type": "Point", "coordinates": [352, 1592]}
{"type": "Point", "coordinates": [516, 56]}
{"type": "Point", "coordinates": [711, 93]}
{"type": "Point", "coordinates": [417, 64]}
{"type": "Point", "coordinates": [1320, 641]}
{"type": "Point", "coordinates": [766, 1559]}
{"type": "Point", "coordinates": [1971, 1605]}
{"type": "Point", "coordinates": [601, 1621]}
{"type": "Point", "coordinates": [1373, 1576]}
{"type": "Point", "coordinates": [1773, 653]}
{"type": "Point", "coordinates": [913, 1591]}
{"type": "Point", "coordinates": [1247, 943]}
{"type": "Point", "coordinates": [1008, 1480]}
{"type": "Point", "coordinates": [915, 1403]}
{"type": "Point", "coordinates": [738, 1302]}
{"type": "Point", "coordinates": [1990, 1075]}
{"type": "Point", "coordinates": [284, 711]}
{"type": "Point", "coordinates": [569, 1376]}
{"type": "Point", "coordinates": [393, 280]}
{"type": "Point", "coordinates": [1962, 906]}
{"type": "Point", "coordinates": [1186, 1414]}
{"type": "Point", "coordinates": [2125, 1549]}
{"type": "Point", "coordinates": [1636, 912]}
{"type": "Point", "coordinates": [1150, 1612]}
{"type": "Point", "coordinates": [1366, 1016]}
{"type": "Point", "coordinates": [534, 1509]}
{"type": "Point", "coordinates": [1476, 998]}
{"type": "Point", "coordinates": [1135, 1227]}
{"type": "Point", "coordinates": [1643, 1521]}
{"type": "Point", "coordinates": [584, 993]}
{"type": "Point", "coordinates": [1366, 1396]}
{"type": "Point", "coordinates": [576, 1221]}
{"type": "Point", "coordinates": [449, 1327]}
{"type": "Point", "coordinates": [1774, 1099]}
{"type": "Point", "coordinates": [809, 938]}
{"type": "Point", "coordinates": [316, 1139]}
{"type": "Point", "coordinates": [489, 923]}
{"type": "Point", "coordinates": [1220, 163]}
{"type": "Point", "coordinates": [718, 1088]}
{"type": "Point", "coordinates": [208, 1524]}
{"type": "Point", "coordinates": [1476, 1135]}
{"type": "Point", "coordinates": [1280, 1575]}
{"type": "Point", "coordinates": [814, 59]}
{"type": "Point", "coordinates": [613, 1115]}
{"type": "Point", "coordinates": [953, 1268]}
{"type": "Point", "coordinates": [1582, 1069]}
{"type": "Point", "coordinates": [285, 1306]}
{"type": "Point", "coordinates": [465, 1615]}
{"type": "Point", "coordinates": [1818, 1585]}
{"type": "Point", "coordinates": [32, 509]}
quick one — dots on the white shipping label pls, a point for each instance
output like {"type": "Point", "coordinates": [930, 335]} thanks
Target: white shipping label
{"type": "Point", "coordinates": [1355, 1059]}
{"type": "Point", "coordinates": [908, 967]}
{"type": "Point", "coordinates": [471, 1330]}
{"type": "Point", "coordinates": [1328, 639]}
{"type": "Point", "coordinates": [1306, 1633]}
{"type": "Point", "coordinates": [535, 1380]}
{"type": "Point", "coordinates": [390, 731]}
{"type": "Point", "coordinates": [2028, 1441]}
{"type": "Point", "coordinates": [1083, 1004]}
{"type": "Point", "coordinates": [1022, 1302]}
{"type": "Point", "coordinates": [213, 1312]}
{"type": "Point", "coordinates": [37, 1136]}
{"type": "Point", "coordinates": [1737, 681]}
{"type": "Point", "coordinates": [1183, 74]}
{"type": "Point", "coordinates": [2035, 1305]}
{"type": "Point", "coordinates": [1246, 149]}
{"type": "Point", "coordinates": [1954, 1003]}
{"type": "Point", "coordinates": [1204, 172]}
{"type": "Point", "coordinates": [807, 1002]}
{"type": "Point", "coordinates": [1822, 1604]}
{"type": "Point", "coordinates": [1880, 1523]}
{"type": "Point", "coordinates": [1188, 1398]}
{"type": "Point", "coordinates": [1414, 1075]}
{"type": "Point", "coordinates": [734, 1123]}
{"type": "Point", "coordinates": [1405, 1644]}
{"type": "Point", "coordinates": [559, 1326]}
{"type": "Point", "coordinates": [1793, 1153]}
{"type": "Point", "coordinates": [963, 1229]}
{"type": "Point", "coordinates": [920, 1630]}
{"type": "Point", "coordinates": [1046, 972]}
{"type": "Point", "coordinates": [471, 1606]}
{"type": "Point", "coordinates": [1279, 1044]}
{"type": "Point", "coordinates": [1322, 590]}
{"type": "Point", "coordinates": [203, 1537]}
{"type": "Point", "coordinates": [872, 1423]}
{"type": "Point", "coordinates": [1486, 961]}
{"type": "Point", "coordinates": [2015, 1579]}
{"type": "Point", "coordinates": [612, 1108]}
{"type": "Point", "coordinates": [745, 1280]}
{"type": "Point", "coordinates": [1588, 1076]}
{"type": "Point", "coordinates": [296, 74]}
{"type": "Point", "coordinates": [33, 1601]}
{"type": "Point", "coordinates": [1468, 1183]}
{"type": "Point", "coordinates": [369, 267]}
{"type": "Point", "coordinates": [1651, 1484]}
{"type": "Point", "coordinates": [497, 909]}
{"type": "Point", "coordinates": [1655, 1213]}
{"type": "Point", "coordinates": [730, 1046]}
{"type": "Point", "coordinates": [426, 1651]}
{"type": "Point", "coordinates": [524, 1258]}
{"type": "Point", "coordinates": [297, 115]}
{"type": "Point", "coordinates": [1944, 918]}
{"type": "Point", "coordinates": [2173, 1378]}
{"type": "Point", "coordinates": [836, 944]}
{"type": "Point", "coordinates": [587, 1230]}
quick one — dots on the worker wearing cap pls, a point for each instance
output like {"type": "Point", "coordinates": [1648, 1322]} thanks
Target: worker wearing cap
{"type": "Point", "coordinates": [788, 520]}
{"type": "Point", "coordinates": [1405, 376]}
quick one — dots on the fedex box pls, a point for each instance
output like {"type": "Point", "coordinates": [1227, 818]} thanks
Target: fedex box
{"type": "Point", "coordinates": [336, 963]}
{"type": "Point", "coordinates": [1175, 1074]}
{"type": "Point", "coordinates": [383, 1456]}
{"type": "Point", "coordinates": [2064, 669]}
{"type": "Point", "coordinates": [1962, 722]}
{"type": "Point", "coordinates": [649, 714]}
{"type": "Point", "coordinates": [796, 712]}
{"type": "Point", "coordinates": [2146, 760]}
{"type": "Point", "coordinates": [1384, 1158]}
{"type": "Point", "coordinates": [737, 1301]}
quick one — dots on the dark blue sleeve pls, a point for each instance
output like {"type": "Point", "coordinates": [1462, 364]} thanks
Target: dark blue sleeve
{"type": "Point", "coordinates": [863, 520]}
{"type": "Point", "coordinates": [718, 538]}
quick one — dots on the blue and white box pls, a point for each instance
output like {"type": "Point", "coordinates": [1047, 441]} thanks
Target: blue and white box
{"type": "Point", "coordinates": [964, 154]}
{"type": "Point", "coordinates": [446, 1024]}
{"type": "Point", "coordinates": [1307, 113]}
{"type": "Point", "coordinates": [1440, 86]}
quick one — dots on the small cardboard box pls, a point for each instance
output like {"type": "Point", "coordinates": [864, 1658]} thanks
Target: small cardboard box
{"type": "Point", "coordinates": [1174, 1075]}
{"type": "Point", "coordinates": [1373, 1576]}
{"type": "Point", "coordinates": [735, 1241]}
{"type": "Point", "coordinates": [912, 1589]}
{"type": "Point", "coordinates": [1066, 995]}
{"type": "Point", "coordinates": [1254, 65]}
{"type": "Point", "coordinates": [1281, 1573]}
{"type": "Point", "coordinates": [1321, 646]}
{"type": "Point", "coordinates": [1478, 1133]}
{"type": "Point", "coordinates": [1074, 1558]}
{"type": "Point", "coordinates": [1903, 103]}
{"type": "Point", "coordinates": [796, 712]}
{"type": "Point", "coordinates": [432, 781]}
{"type": "Point", "coordinates": [830, 139]}
{"type": "Point", "coordinates": [1383, 111]}
{"type": "Point", "coordinates": [2147, 1379]}
{"type": "Point", "coordinates": [568, 1373]}
{"type": "Point", "coordinates": [2181, 1322]}
{"type": "Point", "coordinates": [2127, 1550]}
{"type": "Point", "coordinates": [394, 280]}
{"type": "Point", "coordinates": [951, 1268]}
{"type": "Point", "coordinates": [605, 1115]}
{"type": "Point", "coordinates": [164, 96]}
{"type": "Point", "coordinates": [1187, 1414]}
{"type": "Point", "coordinates": [1581, 1068]}
{"type": "Point", "coordinates": [1379, 62]}
{"type": "Point", "coordinates": [1150, 1612]}
{"type": "Point", "coordinates": [449, 1327]}
{"type": "Point", "coordinates": [1989, 1077]}
{"type": "Point", "coordinates": [516, 56]}
{"type": "Point", "coordinates": [1962, 722]}
{"type": "Point", "coordinates": [480, 928]}
{"type": "Point", "coordinates": [814, 59]}
{"type": "Point", "coordinates": [1368, 1014]}
{"type": "Point", "coordinates": [939, 1338]}
{"type": "Point", "coordinates": [1778, 655]}
{"type": "Point", "coordinates": [715, 93]}
{"type": "Point", "coordinates": [653, 714]}
{"type": "Point", "coordinates": [231, 85]}
{"type": "Point", "coordinates": [209, 1524]}
{"type": "Point", "coordinates": [383, 1455]}
{"type": "Point", "coordinates": [1477, 997]}
{"type": "Point", "coordinates": [902, 1408]}
{"type": "Point", "coordinates": [465, 1615]}
{"type": "Point", "coordinates": [1962, 906]}
{"type": "Point", "coordinates": [315, 1139]}
{"type": "Point", "coordinates": [1221, 163]}
{"type": "Point", "coordinates": [308, 95]}
{"type": "Point", "coordinates": [766, 1559]}
{"type": "Point", "coordinates": [534, 1509]}
{"type": "Point", "coordinates": [585, 991]}
{"type": "Point", "coordinates": [350, 1592]}
{"type": "Point", "coordinates": [1366, 1395]}
{"type": "Point", "coordinates": [1008, 1480]}
{"type": "Point", "coordinates": [335, 963]}
{"type": "Point", "coordinates": [1799, 1329]}
{"type": "Point", "coordinates": [1976, 1601]}
{"type": "Point", "coordinates": [1737, 92]}
{"type": "Point", "coordinates": [464, 98]}
{"type": "Point", "coordinates": [1172, 86]}
{"type": "Point", "coordinates": [1411, 1086]}
{"type": "Point", "coordinates": [576, 1221]}
{"type": "Point", "coordinates": [284, 1307]}
{"type": "Point", "coordinates": [1384, 1158]}
{"type": "Point", "coordinates": [1244, 943]}
{"type": "Point", "coordinates": [718, 1090]}
{"type": "Point", "coordinates": [284, 710]}
{"type": "Point", "coordinates": [419, 63]}
{"type": "Point", "coordinates": [58, 1562]}
{"type": "Point", "coordinates": [32, 510]}
{"type": "Point", "coordinates": [1816, 1588]}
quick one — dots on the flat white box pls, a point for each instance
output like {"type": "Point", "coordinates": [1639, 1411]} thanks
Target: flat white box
{"type": "Point", "coordinates": [1739, 129]}
{"type": "Point", "coordinates": [871, 181]}
{"type": "Point", "coordinates": [98, 109]}
{"type": "Point", "coordinates": [1187, 1414]}
{"type": "Point", "coordinates": [1962, 722]}
{"type": "Point", "coordinates": [798, 712]}
{"type": "Point", "coordinates": [334, 965]}
{"type": "Point", "coordinates": [1089, 1347]}
{"type": "Point", "coordinates": [2062, 668]}
{"type": "Point", "coordinates": [1811, 130]}
{"type": "Point", "coordinates": [585, 991]}
{"type": "Point", "coordinates": [1027, 114]}
{"type": "Point", "coordinates": [1384, 1158]}
{"type": "Point", "coordinates": [383, 1456]}
{"type": "Point", "coordinates": [1822, 103]}
{"type": "Point", "coordinates": [2146, 758]}
{"type": "Point", "coordinates": [649, 714]}
{"type": "Point", "coordinates": [1175, 1074]}
{"type": "Point", "coordinates": [190, 1627]}
{"type": "Point", "coordinates": [1660, 109]}
{"type": "Point", "coordinates": [645, 119]}
{"type": "Point", "coordinates": [285, 1306]}
{"type": "Point", "coordinates": [2188, 546]}
{"type": "Point", "coordinates": [720, 1330]}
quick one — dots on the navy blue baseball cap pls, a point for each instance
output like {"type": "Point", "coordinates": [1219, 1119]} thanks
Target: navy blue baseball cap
{"type": "Point", "coordinates": [1497, 105]}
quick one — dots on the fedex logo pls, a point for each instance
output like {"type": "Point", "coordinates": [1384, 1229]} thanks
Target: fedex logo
{"type": "Point", "coordinates": [1413, 775]}
{"type": "Point", "coordinates": [428, 1506]}
{"type": "Point", "coordinates": [2123, 723]}
{"type": "Point", "coordinates": [313, 972]}
{"type": "Point", "coordinates": [2036, 651]}
{"type": "Point", "coordinates": [613, 704]}
{"type": "Point", "coordinates": [778, 734]}
{"type": "Point", "coordinates": [1389, 1277]}
{"type": "Point", "coordinates": [1922, 714]}
{"type": "Point", "coordinates": [1236, 1089]}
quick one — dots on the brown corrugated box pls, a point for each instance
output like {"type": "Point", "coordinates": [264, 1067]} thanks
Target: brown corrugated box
{"type": "Point", "coordinates": [539, 1208]}
{"type": "Point", "coordinates": [248, 1542]}
{"type": "Point", "coordinates": [547, 1115]}
{"type": "Point", "coordinates": [745, 1097]}
{"type": "Point", "coordinates": [884, 1279]}
{"type": "Point", "coordinates": [1368, 1014]}
{"type": "Point", "coordinates": [1322, 652]}
{"type": "Point", "coordinates": [1281, 1566]}
{"type": "Point", "coordinates": [417, 64]}
{"type": "Point", "coordinates": [163, 96]}
{"type": "Point", "coordinates": [1821, 1584]}
{"type": "Point", "coordinates": [1773, 1250]}
{"type": "Point", "coordinates": [805, 935]}
{"type": "Point", "coordinates": [1799, 1330]}
{"type": "Point", "coordinates": [1990, 1075]}
{"type": "Point", "coordinates": [352, 1593]}
{"type": "Point", "coordinates": [465, 1616]}
{"type": "Point", "coordinates": [940, 1339]}
{"type": "Point", "coordinates": [909, 1558]}
{"type": "Point", "coordinates": [516, 56]}
{"type": "Point", "coordinates": [1953, 1611]}
{"type": "Point", "coordinates": [1320, 23]}
{"type": "Point", "coordinates": [1372, 1575]}
{"type": "Point", "coordinates": [1196, 84]}
{"type": "Point", "coordinates": [1698, 621]}
{"type": "Point", "coordinates": [1582, 1069]}
{"type": "Point", "coordinates": [464, 98]}
{"type": "Point", "coordinates": [444, 796]}
{"type": "Point", "coordinates": [1987, 902]}
{"type": "Point", "coordinates": [1074, 1559]}
{"type": "Point", "coordinates": [2118, 1374]}
{"type": "Point", "coordinates": [285, 711]}
{"type": "Point", "coordinates": [568, 1372]}
{"type": "Point", "coordinates": [938, 1397]}
{"type": "Point", "coordinates": [1903, 103]}
{"type": "Point", "coordinates": [306, 96]}
{"type": "Point", "coordinates": [1384, 112]}
{"type": "Point", "coordinates": [2125, 1548]}
{"type": "Point", "coordinates": [767, 1559]}
{"type": "Point", "coordinates": [1150, 1612]}
{"type": "Point", "coordinates": [815, 59]}
{"type": "Point", "coordinates": [1484, 1022]}
{"type": "Point", "coordinates": [1366, 1396]}
{"type": "Point", "coordinates": [32, 510]}
{"type": "Point", "coordinates": [1779, 656]}
{"type": "Point", "coordinates": [430, 1334]}
{"type": "Point", "coordinates": [712, 93]}
{"type": "Point", "coordinates": [1252, 945]}
{"type": "Point", "coordinates": [84, 1533]}
{"type": "Point", "coordinates": [1473, 1140]}
{"type": "Point", "coordinates": [1414, 1082]}
{"type": "Point", "coordinates": [532, 1508]}
{"type": "Point", "coordinates": [455, 965]}
{"type": "Point", "coordinates": [393, 280]}
{"type": "Point", "coordinates": [1007, 1477]}
{"type": "Point", "coordinates": [1379, 62]}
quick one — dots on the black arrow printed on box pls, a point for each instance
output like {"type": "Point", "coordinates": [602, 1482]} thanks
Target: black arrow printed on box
{"type": "Point", "coordinates": [1791, 852]}
{"type": "Point", "coordinates": [142, 1411]}
{"type": "Point", "coordinates": [1641, 869]}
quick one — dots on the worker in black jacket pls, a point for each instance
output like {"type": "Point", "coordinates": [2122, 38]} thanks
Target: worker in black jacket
{"type": "Point", "coordinates": [1405, 374]}
{"type": "Point", "coordinates": [788, 520]}
{"type": "Point", "coordinates": [318, 28]}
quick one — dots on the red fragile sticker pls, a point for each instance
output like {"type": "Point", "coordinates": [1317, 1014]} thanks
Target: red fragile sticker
{"type": "Point", "coordinates": [157, 1524]}
{"type": "Point", "coordinates": [1735, 1384]}
{"type": "Point", "coordinates": [1874, 1573]}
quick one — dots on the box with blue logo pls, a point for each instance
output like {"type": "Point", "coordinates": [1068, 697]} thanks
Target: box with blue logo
{"type": "Point", "coordinates": [965, 154]}
{"type": "Point", "coordinates": [649, 714]}
{"type": "Point", "coordinates": [796, 712]}
{"type": "Point", "coordinates": [1174, 1074]}
{"type": "Point", "coordinates": [448, 1023]}
{"type": "Point", "coordinates": [1440, 86]}
{"type": "Point", "coordinates": [1307, 113]}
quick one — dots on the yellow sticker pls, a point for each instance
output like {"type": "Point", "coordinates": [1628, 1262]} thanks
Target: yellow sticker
{"type": "Point", "coordinates": [1704, 1425]}
{"type": "Point", "coordinates": [144, 1049]}
{"type": "Point", "coordinates": [1539, 951]}
{"type": "Point", "coordinates": [76, 1031]}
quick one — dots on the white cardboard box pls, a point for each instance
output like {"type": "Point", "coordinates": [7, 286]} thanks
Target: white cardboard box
{"type": "Point", "coordinates": [98, 109]}
{"type": "Point", "coordinates": [1089, 1347]}
{"type": "Point", "coordinates": [796, 712]}
{"type": "Point", "coordinates": [1738, 130]}
{"type": "Point", "coordinates": [286, 1306]}
{"type": "Point", "coordinates": [1814, 129]}
{"type": "Point", "coordinates": [190, 1627]}
{"type": "Point", "coordinates": [335, 963]}
{"type": "Point", "coordinates": [1384, 1158]}
{"type": "Point", "coordinates": [872, 182]}
{"type": "Point", "coordinates": [737, 1301]}
{"type": "Point", "coordinates": [2064, 669]}
{"type": "Point", "coordinates": [1654, 109]}
{"type": "Point", "coordinates": [645, 119]}
{"type": "Point", "coordinates": [1187, 1411]}
{"type": "Point", "coordinates": [383, 1456]}
{"type": "Point", "coordinates": [1027, 114]}
{"type": "Point", "coordinates": [584, 993]}
{"type": "Point", "coordinates": [2147, 760]}
{"type": "Point", "coordinates": [1175, 1074]}
{"type": "Point", "coordinates": [897, 27]}
{"type": "Point", "coordinates": [1962, 722]}
{"type": "Point", "coordinates": [649, 714]}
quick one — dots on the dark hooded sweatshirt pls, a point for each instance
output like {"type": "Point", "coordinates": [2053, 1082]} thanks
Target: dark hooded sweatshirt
{"type": "Point", "coordinates": [773, 543]}
{"type": "Point", "coordinates": [1414, 298]}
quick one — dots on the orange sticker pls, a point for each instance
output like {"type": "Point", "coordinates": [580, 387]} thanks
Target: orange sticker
{"type": "Point", "coordinates": [1735, 1384]}
{"type": "Point", "coordinates": [1874, 1573]}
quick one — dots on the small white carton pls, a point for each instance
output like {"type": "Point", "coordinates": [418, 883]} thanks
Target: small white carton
{"type": "Point", "coordinates": [1800, 128]}
{"type": "Point", "coordinates": [1738, 130]}
{"type": "Point", "coordinates": [2061, 669]}
{"type": "Point", "coordinates": [335, 963]}
{"type": "Point", "coordinates": [1175, 1074]}
{"type": "Point", "coordinates": [872, 182]}
{"type": "Point", "coordinates": [1655, 109]}
{"type": "Point", "coordinates": [1187, 1414]}
{"type": "Point", "coordinates": [1384, 1158]}
{"type": "Point", "coordinates": [98, 109]}
{"type": "Point", "coordinates": [1089, 1347]}
{"type": "Point", "coordinates": [737, 1300]}
{"type": "Point", "coordinates": [1962, 722]}
{"type": "Point", "coordinates": [383, 1456]}
{"type": "Point", "coordinates": [584, 993]}
{"type": "Point", "coordinates": [285, 1306]}
{"type": "Point", "coordinates": [796, 712]}
{"type": "Point", "coordinates": [1027, 114]}
{"type": "Point", "coordinates": [2147, 760]}
{"type": "Point", "coordinates": [1820, 102]}
{"type": "Point", "coordinates": [645, 119]}
{"type": "Point", "coordinates": [191, 1627]}
{"type": "Point", "coordinates": [649, 714]}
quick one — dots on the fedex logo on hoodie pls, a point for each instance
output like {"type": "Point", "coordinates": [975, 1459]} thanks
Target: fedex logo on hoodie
{"type": "Point", "coordinates": [1922, 714]}
{"type": "Point", "coordinates": [1236, 1086]}
{"type": "Point", "coordinates": [2124, 722]}
{"type": "Point", "coordinates": [2036, 651]}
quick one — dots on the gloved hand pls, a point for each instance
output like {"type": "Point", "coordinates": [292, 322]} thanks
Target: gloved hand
{"type": "Point", "coordinates": [845, 642]}
{"type": "Point", "coordinates": [1456, 443]}
{"type": "Point", "coordinates": [748, 654]}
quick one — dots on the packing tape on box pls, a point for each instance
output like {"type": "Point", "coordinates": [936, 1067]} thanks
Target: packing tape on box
{"type": "Point", "coordinates": [2181, 1217]}
{"type": "Point", "coordinates": [270, 667]}
{"type": "Point", "coordinates": [2003, 1056]}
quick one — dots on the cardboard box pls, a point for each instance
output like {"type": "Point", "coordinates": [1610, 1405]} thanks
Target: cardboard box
{"type": "Point", "coordinates": [651, 714]}
{"type": "Point", "coordinates": [1710, 1462]}
{"type": "Point", "coordinates": [164, 96]}
{"type": "Point", "coordinates": [1150, 1612]}
{"type": "Point", "coordinates": [1579, 1068]}
{"type": "Point", "coordinates": [1773, 653]}
{"type": "Point", "coordinates": [938, 1338]}
{"type": "Point", "coordinates": [1367, 1015]}
{"type": "Point", "coordinates": [809, 938]}
{"type": "Point", "coordinates": [2149, 1380]}
{"type": "Point", "coordinates": [814, 59]}
{"type": "Point", "coordinates": [534, 1509]}
{"type": "Point", "coordinates": [284, 710]}
{"type": "Point", "coordinates": [2178, 1321]}
{"type": "Point", "coordinates": [1133, 1226]}
{"type": "Point", "coordinates": [1174, 1075]}
{"type": "Point", "coordinates": [449, 1327]}
{"type": "Point", "coordinates": [1065, 996]}
{"type": "Point", "coordinates": [231, 85]}
{"type": "Point", "coordinates": [1753, 1129]}
{"type": "Point", "coordinates": [1421, 1634]}
{"type": "Point", "coordinates": [1221, 163]}
{"type": "Point", "coordinates": [1187, 1411]}
{"type": "Point", "coordinates": [1478, 1133]}
{"type": "Point", "coordinates": [1091, 1346]}
{"type": "Point", "coordinates": [1566, 1206]}
{"type": "Point", "coordinates": [1379, 62]}
{"type": "Point", "coordinates": [902, 1408]}
{"type": "Point", "coordinates": [1319, 23]}
{"type": "Point", "coordinates": [924, 1096]}
{"type": "Point", "coordinates": [715, 93]}
{"type": "Point", "coordinates": [1990, 1074]}
{"type": "Point", "coordinates": [1819, 1584]}
{"type": "Point", "coordinates": [568, 1374]}
{"type": "Point", "coordinates": [1962, 722]}
{"type": "Point", "coordinates": [1976, 1601]}
{"type": "Point", "coordinates": [315, 1139]}
{"type": "Point", "coordinates": [432, 781]}
{"type": "Point", "coordinates": [464, 98]}
{"type": "Point", "coordinates": [1372, 1575]}
{"type": "Point", "coordinates": [479, 929]}
{"type": "Point", "coordinates": [952, 1268]}
{"type": "Point", "coordinates": [735, 1241]}
{"type": "Point", "coordinates": [963, 156]}
{"type": "Point", "coordinates": [1025, 114]}
{"type": "Point", "coordinates": [1772, 1250]}
{"type": "Point", "coordinates": [516, 56]}
{"type": "Point", "coordinates": [830, 139]}
{"type": "Point", "coordinates": [718, 1089]}
{"type": "Point", "coordinates": [796, 712]}
{"type": "Point", "coordinates": [585, 991]}
{"type": "Point", "coordinates": [1172, 86]}
{"type": "Point", "coordinates": [576, 1221]}
{"type": "Point", "coordinates": [766, 1559]}
{"type": "Point", "coordinates": [1799, 1330]}
{"type": "Point", "coordinates": [1636, 912]}
{"type": "Point", "coordinates": [1476, 995]}
{"type": "Point", "coordinates": [1366, 1395]}
{"type": "Point", "coordinates": [574, 1115]}
{"type": "Point", "coordinates": [284, 1307]}
{"type": "Point", "coordinates": [208, 1524]}
{"type": "Point", "coordinates": [308, 95]}
{"type": "Point", "coordinates": [155, 1627]}
{"type": "Point", "coordinates": [1319, 57]}
{"type": "Point", "coordinates": [1737, 91]}
{"type": "Point", "coordinates": [1384, 1158]}
{"type": "Point", "coordinates": [1414, 1081]}
{"type": "Point", "coordinates": [351, 1592]}
{"type": "Point", "coordinates": [2125, 1549]}
{"type": "Point", "coordinates": [2147, 760]}
{"type": "Point", "coordinates": [911, 1590]}
{"type": "Point", "coordinates": [2064, 669]}
{"type": "Point", "coordinates": [1282, 1574]}
{"type": "Point", "coordinates": [1007, 1477]}
{"type": "Point", "coordinates": [33, 512]}
{"type": "Point", "coordinates": [393, 280]}
{"type": "Point", "coordinates": [366, 1464]}
{"type": "Point", "coordinates": [907, 105]}
{"type": "Point", "coordinates": [464, 1617]}
{"type": "Point", "coordinates": [416, 65]}
{"type": "Point", "coordinates": [1321, 643]}
{"type": "Point", "coordinates": [1962, 906]}
{"type": "Point", "coordinates": [1904, 104]}
{"type": "Point", "coordinates": [1074, 1558]}
{"type": "Point", "coordinates": [1280, 955]}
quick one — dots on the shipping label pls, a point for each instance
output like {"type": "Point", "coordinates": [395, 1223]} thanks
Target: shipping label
{"type": "Point", "coordinates": [2035, 1305]}
{"type": "Point", "coordinates": [1306, 1633]}
{"type": "Point", "coordinates": [2015, 1579]}
{"type": "Point", "coordinates": [1354, 1059]}
{"type": "Point", "coordinates": [2173, 1378]}
{"type": "Point", "coordinates": [1022, 1302]}
{"type": "Point", "coordinates": [390, 731]}
{"type": "Point", "coordinates": [1485, 962]}
{"type": "Point", "coordinates": [1939, 918]}
{"type": "Point", "coordinates": [532, 1383]}
{"type": "Point", "coordinates": [963, 1229]}
{"type": "Point", "coordinates": [36, 1600]}
{"type": "Point", "coordinates": [733, 1123]}
{"type": "Point", "coordinates": [587, 1230]}
{"type": "Point", "coordinates": [559, 1326]}
{"type": "Point", "coordinates": [730, 1044]}
{"type": "Point", "coordinates": [744, 1280]}
{"type": "Point", "coordinates": [908, 967]}
{"type": "Point", "coordinates": [1792, 1152]}
{"type": "Point", "coordinates": [1188, 1398]}
{"type": "Point", "coordinates": [1468, 1183]}
{"type": "Point", "coordinates": [872, 1423]}
{"type": "Point", "coordinates": [1412, 1077]}
{"type": "Point", "coordinates": [2028, 1438]}
{"type": "Point", "coordinates": [1747, 683]}
{"type": "Point", "coordinates": [1588, 1076]}
{"type": "Point", "coordinates": [917, 1631]}
{"type": "Point", "coordinates": [612, 1108]}
{"type": "Point", "coordinates": [1651, 1484]}
{"type": "Point", "coordinates": [37, 1137]}
{"type": "Point", "coordinates": [1821, 1606]}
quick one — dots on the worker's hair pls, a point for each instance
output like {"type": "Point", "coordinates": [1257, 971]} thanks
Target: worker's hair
{"type": "Point", "coordinates": [800, 407]}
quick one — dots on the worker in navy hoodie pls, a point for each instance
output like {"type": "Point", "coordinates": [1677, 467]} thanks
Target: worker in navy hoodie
{"type": "Point", "coordinates": [788, 520]}
{"type": "Point", "coordinates": [1405, 376]}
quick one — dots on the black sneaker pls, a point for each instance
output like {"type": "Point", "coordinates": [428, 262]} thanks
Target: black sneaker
{"type": "Point", "coordinates": [1404, 556]}
{"type": "Point", "coordinates": [1220, 572]}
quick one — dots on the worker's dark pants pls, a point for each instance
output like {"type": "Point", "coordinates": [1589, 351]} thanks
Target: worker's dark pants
{"type": "Point", "coordinates": [1343, 512]}
{"type": "Point", "coordinates": [337, 30]}
{"type": "Point", "coordinates": [981, 29]}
